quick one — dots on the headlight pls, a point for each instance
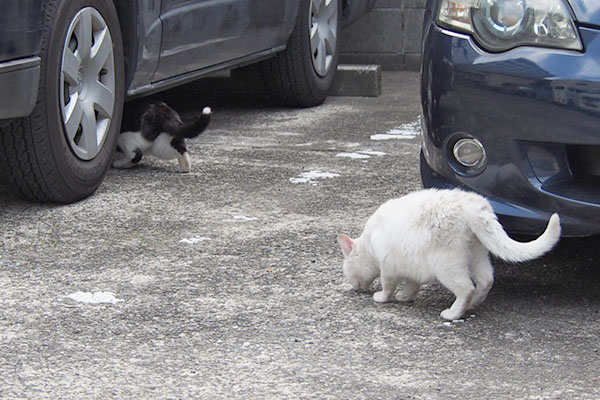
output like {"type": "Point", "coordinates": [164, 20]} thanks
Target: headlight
{"type": "Point", "coordinates": [500, 25]}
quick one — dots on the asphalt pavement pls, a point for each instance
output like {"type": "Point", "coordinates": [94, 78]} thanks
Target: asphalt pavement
{"type": "Point", "coordinates": [226, 282]}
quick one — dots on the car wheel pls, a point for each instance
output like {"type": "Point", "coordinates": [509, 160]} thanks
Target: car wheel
{"type": "Point", "coordinates": [302, 75]}
{"type": "Point", "coordinates": [62, 151]}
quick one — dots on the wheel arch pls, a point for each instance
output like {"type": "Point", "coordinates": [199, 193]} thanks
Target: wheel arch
{"type": "Point", "coordinates": [352, 10]}
{"type": "Point", "coordinates": [127, 11]}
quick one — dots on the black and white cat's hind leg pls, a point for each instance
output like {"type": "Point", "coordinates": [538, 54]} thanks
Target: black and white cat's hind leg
{"type": "Point", "coordinates": [189, 131]}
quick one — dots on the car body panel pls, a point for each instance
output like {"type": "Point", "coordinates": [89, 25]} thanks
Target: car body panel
{"type": "Point", "coordinates": [19, 78]}
{"type": "Point", "coordinates": [21, 25]}
{"type": "Point", "coordinates": [19, 63]}
{"type": "Point", "coordinates": [196, 35]}
{"type": "Point", "coordinates": [535, 111]}
{"type": "Point", "coordinates": [586, 11]}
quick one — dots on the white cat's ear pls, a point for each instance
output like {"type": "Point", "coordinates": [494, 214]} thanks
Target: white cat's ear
{"type": "Point", "coordinates": [346, 244]}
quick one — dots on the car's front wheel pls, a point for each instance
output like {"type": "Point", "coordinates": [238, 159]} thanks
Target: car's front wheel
{"type": "Point", "coordinates": [62, 151]}
{"type": "Point", "coordinates": [303, 74]}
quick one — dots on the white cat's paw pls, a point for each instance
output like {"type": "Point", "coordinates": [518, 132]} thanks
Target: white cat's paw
{"type": "Point", "coordinates": [450, 315]}
{"type": "Point", "coordinates": [206, 111]}
{"type": "Point", "coordinates": [404, 297]}
{"type": "Point", "coordinates": [381, 297]}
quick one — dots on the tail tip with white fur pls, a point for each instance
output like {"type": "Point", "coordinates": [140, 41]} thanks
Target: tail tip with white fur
{"type": "Point", "coordinates": [554, 225]}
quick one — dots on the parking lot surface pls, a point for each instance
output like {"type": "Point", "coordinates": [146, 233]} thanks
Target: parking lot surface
{"type": "Point", "coordinates": [226, 282]}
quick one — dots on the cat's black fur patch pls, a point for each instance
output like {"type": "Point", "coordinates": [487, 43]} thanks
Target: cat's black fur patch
{"type": "Point", "coordinates": [153, 118]}
{"type": "Point", "coordinates": [138, 156]}
{"type": "Point", "coordinates": [159, 118]}
{"type": "Point", "coordinates": [178, 144]}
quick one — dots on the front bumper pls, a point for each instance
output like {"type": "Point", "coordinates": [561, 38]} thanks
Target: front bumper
{"type": "Point", "coordinates": [19, 80]}
{"type": "Point", "coordinates": [535, 112]}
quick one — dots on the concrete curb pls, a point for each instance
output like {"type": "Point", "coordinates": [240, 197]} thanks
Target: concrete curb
{"type": "Point", "coordinates": [357, 80]}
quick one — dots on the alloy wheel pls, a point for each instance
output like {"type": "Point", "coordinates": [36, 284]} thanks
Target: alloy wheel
{"type": "Point", "coordinates": [87, 83]}
{"type": "Point", "coordinates": [323, 34]}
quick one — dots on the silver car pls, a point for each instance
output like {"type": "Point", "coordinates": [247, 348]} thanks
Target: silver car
{"type": "Point", "coordinates": [66, 67]}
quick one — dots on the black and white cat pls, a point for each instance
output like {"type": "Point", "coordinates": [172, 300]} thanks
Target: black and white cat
{"type": "Point", "coordinates": [443, 235]}
{"type": "Point", "coordinates": [157, 130]}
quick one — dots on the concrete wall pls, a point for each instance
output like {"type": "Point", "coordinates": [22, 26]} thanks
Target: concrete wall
{"type": "Point", "coordinates": [390, 35]}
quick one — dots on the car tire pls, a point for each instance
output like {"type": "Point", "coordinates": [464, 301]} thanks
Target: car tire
{"type": "Point", "coordinates": [302, 74]}
{"type": "Point", "coordinates": [62, 151]}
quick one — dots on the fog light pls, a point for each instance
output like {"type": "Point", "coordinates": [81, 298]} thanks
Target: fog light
{"type": "Point", "coordinates": [469, 152]}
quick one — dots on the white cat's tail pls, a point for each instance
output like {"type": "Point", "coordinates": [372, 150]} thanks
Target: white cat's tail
{"type": "Point", "coordinates": [493, 237]}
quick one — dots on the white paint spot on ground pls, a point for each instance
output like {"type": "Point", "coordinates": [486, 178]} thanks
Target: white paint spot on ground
{"type": "Point", "coordinates": [373, 153]}
{"type": "Point", "coordinates": [312, 176]}
{"type": "Point", "coordinates": [404, 131]}
{"type": "Point", "coordinates": [361, 155]}
{"type": "Point", "coordinates": [358, 156]}
{"type": "Point", "coordinates": [240, 218]}
{"type": "Point", "coordinates": [94, 298]}
{"type": "Point", "coordinates": [385, 136]}
{"type": "Point", "coordinates": [351, 144]}
{"type": "Point", "coordinates": [194, 240]}
{"type": "Point", "coordinates": [458, 321]}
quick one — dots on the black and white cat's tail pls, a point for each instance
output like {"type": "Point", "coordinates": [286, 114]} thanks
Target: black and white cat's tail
{"type": "Point", "coordinates": [193, 129]}
{"type": "Point", "coordinates": [493, 237]}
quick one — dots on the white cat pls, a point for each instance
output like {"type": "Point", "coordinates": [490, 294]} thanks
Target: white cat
{"type": "Point", "coordinates": [439, 235]}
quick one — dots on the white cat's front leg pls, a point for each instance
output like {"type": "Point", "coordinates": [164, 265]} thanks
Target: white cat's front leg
{"type": "Point", "coordinates": [185, 165]}
{"type": "Point", "coordinates": [388, 288]}
{"type": "Point", "coordinates": [409, 292]}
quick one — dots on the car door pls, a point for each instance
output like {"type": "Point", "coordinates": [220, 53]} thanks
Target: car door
{"type": "Point", "coordinates": [202, 33]}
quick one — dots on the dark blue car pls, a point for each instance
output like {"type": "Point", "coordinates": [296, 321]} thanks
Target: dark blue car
{"type": "Point", "coordinates": [67, 66]}
{"type": "Point", "coordinates": [511, 108]}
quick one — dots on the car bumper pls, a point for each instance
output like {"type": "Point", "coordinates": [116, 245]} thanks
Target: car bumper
{"type": "Point", "coordinates": [542, 141]}
{"type": "Point", "coordinates": [19, 80]}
